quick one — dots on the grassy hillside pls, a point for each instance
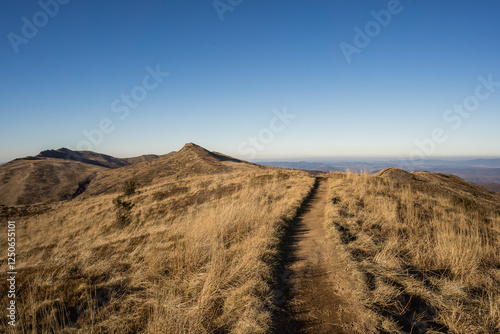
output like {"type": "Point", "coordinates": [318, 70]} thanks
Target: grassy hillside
{"type": "Point", "coordinates": [55, 175]}
{"type": "Point", "coordinates": [62, 174]}
{"type": "Point", "coordinates": [193, 242]}
{"type": "Point", "coordinates": [422, 249]}
{"type": "Point", "coordinates": [43, 180]}
{"type": "Point", "coordinates": [194, 254]}
{"type": "Point", "coordinates": [190, 160]}
{"type": "Point", "coordinates": [92, 158]}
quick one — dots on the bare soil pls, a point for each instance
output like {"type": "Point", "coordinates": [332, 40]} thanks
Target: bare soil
{"type": "Point", "coordinates": [312, 306]}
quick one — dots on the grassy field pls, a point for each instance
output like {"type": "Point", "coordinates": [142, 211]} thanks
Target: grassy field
{"type": "Point", "coordinates": [412, 252]}
{"type": "Point", "coordinates": [184, 255]}
{"type": "Point", "coordinates": [422, 251]}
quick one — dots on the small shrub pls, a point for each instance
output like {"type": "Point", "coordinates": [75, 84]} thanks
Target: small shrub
{"type": "Point", "coordinates": [123, 209]}
{"type": "Point", "coordinates": [467, 204]}
{"type": "Point", "coordinates": [21, 201]}
{"type": "Point", "coordinates": [336, 200]}
{"type": "Point", "coordinates": [266, 177]}
{"type": "Point", "coordinates": [129, 187]}
{"type": "Point", "coordinates": [284, 176]}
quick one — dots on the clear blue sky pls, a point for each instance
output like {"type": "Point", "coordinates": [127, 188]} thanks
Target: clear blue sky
{"type": "Point", "coordinates": [227, 76]}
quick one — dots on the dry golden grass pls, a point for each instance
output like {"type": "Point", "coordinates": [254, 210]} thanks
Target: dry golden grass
{"type": "Point", "coordinates": [423, 250]}
{"type": "Point", "coordinates": [414, 252]}
{"type": "Point", "coordinates": [197, 257]}
{"type": "Point", "coordinates": [42, 181]}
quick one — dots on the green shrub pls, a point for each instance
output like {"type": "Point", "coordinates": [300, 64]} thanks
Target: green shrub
{"type": "Point", "coordinates": [123, 209]}
{"type": "Point", "coordinates": [129, 187]}
{"type": "Point", "coordinates": [465, 203]}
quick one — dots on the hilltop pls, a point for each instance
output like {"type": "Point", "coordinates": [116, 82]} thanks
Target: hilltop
{"type": "Point", "coordinates": [92, 158]}
{"type": "Point", "coordinates": [191, 160]}
{"type": "Point", "coordinates": [55, 175]}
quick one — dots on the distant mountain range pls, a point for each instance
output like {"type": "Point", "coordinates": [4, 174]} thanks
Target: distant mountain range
{"type": "Point", "coordinates": [305, 165]}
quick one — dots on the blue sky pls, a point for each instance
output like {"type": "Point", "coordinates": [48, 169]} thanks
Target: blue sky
{"type": "Point", "coordinates": [228, 79]}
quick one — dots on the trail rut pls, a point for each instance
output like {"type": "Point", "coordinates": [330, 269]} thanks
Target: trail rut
{"type": "Point", "coordinates": [311, 303]}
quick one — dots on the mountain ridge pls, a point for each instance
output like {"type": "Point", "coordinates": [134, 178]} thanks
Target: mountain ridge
{"type": "Point", "coordinates": [89, 157]}
{"type": "Point", "coordinates": [191, 159]}
{"type": "Point", "coordinates": [62, 174]}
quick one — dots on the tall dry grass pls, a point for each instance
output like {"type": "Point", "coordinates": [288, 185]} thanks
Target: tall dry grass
{"type": "Point", "coordinates": [197, 256]}
{"type": "Point", "coordinates": [424, 251]}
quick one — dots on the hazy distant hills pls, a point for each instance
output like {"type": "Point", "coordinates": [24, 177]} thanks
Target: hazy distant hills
{"type": "Point", "coordinates": [485, 172]}
{"type": "Point", "coordinates": [475, 175]}
{"type": "Point", "coordinates": [490, 186]}
{"type": "Point", "coordinates": [486, 163]}
{"type": "Point", "coordinates": [55, 175]}
{"type": "Point", "coordinates": [317, 166]}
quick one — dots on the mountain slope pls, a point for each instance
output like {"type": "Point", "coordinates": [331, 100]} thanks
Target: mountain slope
{"type": "Point", "coordinates": [446, 184]}
{"type": "Point", "coordinates": [416, 252]}
{"type": "Point", "coordinates": [55, 175]}
{"type": "Point", "coordinates": [422, 248]}
{"type": "Point", "coordinates": [92, 158]}
{"type": "Point", "coordinates": [190, 160]}
{"type": "Point", "coordinates": [197, 255]}
{"type": "Point", "coordinates": [43, 180]}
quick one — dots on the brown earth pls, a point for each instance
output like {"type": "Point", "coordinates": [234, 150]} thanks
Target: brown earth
{"type": "Point", "coordinates": [313, 306]}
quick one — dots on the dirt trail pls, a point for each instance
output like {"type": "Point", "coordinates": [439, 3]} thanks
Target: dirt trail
{"type": "Point", "coordinates": [312, 305]}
